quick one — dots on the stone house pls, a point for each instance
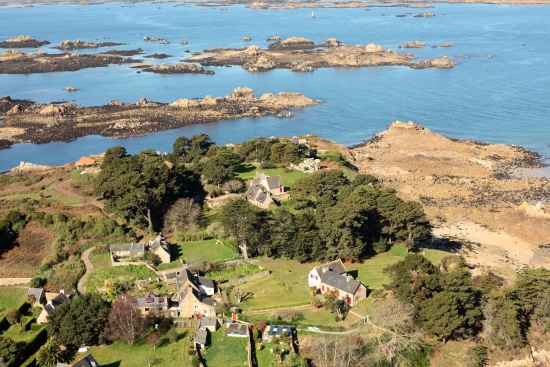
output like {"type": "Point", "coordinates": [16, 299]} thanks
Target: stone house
{"type": "Point", "coordinates": [54, 300]}
{"type": "Point", "coordinates": [128, 250]}
{"type": "Point", "coordinates": [258, 197]}
{"type": "Point", "coordinates": [160, 247]}
{"type": "Point", "coordinates": [333, 277]}
{"type": "Point", "coordinates": [39, 294]}
{"type": "Point", "coordinates": [237, 330]}
{"type": "Point", "coordinates": [152, 302]}
{"type": "Point", "coordinates": [87, 361]}
{"type": "Point", "coordinates": [272, 184]}
{"type": "Point", "coordinates": [192, 292]}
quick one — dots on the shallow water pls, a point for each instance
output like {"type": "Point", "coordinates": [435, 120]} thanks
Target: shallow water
{"type": "Point", "coordinates": [501, 100]}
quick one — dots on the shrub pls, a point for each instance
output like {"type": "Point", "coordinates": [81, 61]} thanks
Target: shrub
{"type": "Point", "coordinates": [37, 282]}
{"type": "Point", "coordinates": [60, 218]}
{"type": "Point", "coordinates": [267, 165]}
{"type": "Point", "coordinates": [477, 356]}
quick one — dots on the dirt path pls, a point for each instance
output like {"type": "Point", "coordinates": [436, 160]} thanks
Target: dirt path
{"type": "Point", "coordinates": [89, 267]}
{"type": "Point", "coordinates": [61, 189]}
{"type": "Point", "coordinates": [276, 309]}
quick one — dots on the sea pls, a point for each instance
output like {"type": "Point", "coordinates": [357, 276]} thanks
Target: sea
{"type": "Point", "coordinates": [504, 99]}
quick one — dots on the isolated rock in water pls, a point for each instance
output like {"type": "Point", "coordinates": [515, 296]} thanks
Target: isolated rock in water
{"type": "Point", "coordinates": [185, 103]}
{"type": "Point", "coordinates": [283, 100]}
{"type": "Point", "coordinates": [425, 15]}
{"type": "Point", "coordinates": [14, 110]}
{"type": "Point", "coordinates": [184, 42]}
{"type": "Point", "coordinates": [446, 44]}
{"type": "Point", "coordinates": [490, 56]}
{"type": "Point", "coordinates": [22, 42]}
{"type": "Point", "coordinates": [146, 38]}
{"type": "Point", "coordinates": [371, 47]}
{"type": "Point", "coordinates": [178, 69]}
{"type": "Point", "coordinates": [274, 38]}
{"type": "Point", "coordinates": [443, 62]}
{"type": "Point", "coordinates": [246, 38]}
{"type": "Point", "coordinates": [71, 89]}
{"type": "Point", "coordinates": [415, 44]}
{"type": "Point", "coordinates": [165, 42]}
{"type": "Point", "coordinates": [116, 102]}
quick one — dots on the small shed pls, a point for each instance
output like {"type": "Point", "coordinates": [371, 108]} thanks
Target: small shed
{"type": "Point", "coordinates": [237, 330]}
{"type": "Point", "coordinates": [209, 322]}
{"type": "Point", "coordinates": [201, 337]}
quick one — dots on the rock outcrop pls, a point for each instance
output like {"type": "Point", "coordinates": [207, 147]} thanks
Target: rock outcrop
{"type": "Point", "coordinates": [413, 44]}
{"type": "Point", "coordinates": [292, 43]}
{"type": "Point", "coordinates": [308, 165]}
{"type": "Point", "coordinates": [446, 44]}
{"type": "Point", "coordinates": [440, 62]}
{"type": "Point", "coordinates": [274, 38]}
{"type": "Point", "coordinates": [71, 89]}
{"type": "Point", "coordinates": [178, 69]}
{"type": "Point", "coordinates": [425, 15]}
{"type": "Point", "coordinates": [78, 44]}
{"type": "Point", "coordinates": [22, 42]}
{"type": "Point", "coordinates": [246, 38]}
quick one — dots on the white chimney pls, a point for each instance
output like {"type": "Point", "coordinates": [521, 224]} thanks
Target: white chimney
{"type": "Point", "coordinates": [62, 291]}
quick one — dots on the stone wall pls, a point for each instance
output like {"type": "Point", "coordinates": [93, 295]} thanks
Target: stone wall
{"type": "Point", "coordinates": [14, 281]}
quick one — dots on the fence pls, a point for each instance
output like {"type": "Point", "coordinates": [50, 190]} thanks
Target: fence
{"type": "Point", "coordinates": [247, 278]}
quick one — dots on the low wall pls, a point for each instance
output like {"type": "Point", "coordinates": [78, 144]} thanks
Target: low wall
{"type": "Point", "coordinates": [14, 281]}
{"type": "Point", "coordinates": [247, 278]}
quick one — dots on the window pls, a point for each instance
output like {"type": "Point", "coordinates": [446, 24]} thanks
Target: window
{"type": "Point", "coordinates": [146, 309]}
{"type": "Point", "coordinates": [323, 287]}
{"type": "Point", "coordinates": [311, 275]}
{"type": "Point", "coordinates": [316, 278]}
{"type": "Point", "coordinates": [205, 312]}
{"type": "Point", "coordinates": [196, 307]}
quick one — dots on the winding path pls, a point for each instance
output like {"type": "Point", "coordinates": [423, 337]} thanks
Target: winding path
{"type": "Point", "coordinates": [89, 267]}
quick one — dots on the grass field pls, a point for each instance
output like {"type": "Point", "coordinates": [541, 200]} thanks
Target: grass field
{"type": "Point", "coordinates": [20, 336]}
{"type": "Point", "coordinates": [11, 297]}
{"type": "Point", "coordinates": [124, 355]}
{"type": "Point", "coordinates": [226, 351]}
{"type": "Point", "coordinates": [207, 250]}
{"type": "Point", "coordinates": [320, 317]}
{"type": "Point", "coordinates": [247, 171]}
{"type": "Point", "coordinates": [237, 272]}
{"type": "Point", "coordinates": [264, 357]}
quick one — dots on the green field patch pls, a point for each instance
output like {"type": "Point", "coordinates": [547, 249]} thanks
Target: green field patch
{"type": "Point", "coordinates": [125, 355]}
{"type": "Point", "coordinates": [11, 297]}
{"type": "Point", "coordinates": [226, 351]}
{"type": "Point", "coordinates": [207, 250]}
{"type": "Point", "coordinates": [264, 356]}
{"type": "Point", "coordinates": [236, 272]}
{"type": "Point", "coordinates": [310, 317]}
{"type": "Point", "coordinates": [247, 171]}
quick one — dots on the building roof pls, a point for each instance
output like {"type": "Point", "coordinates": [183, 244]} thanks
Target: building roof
{"type": "Point", "coordinates": [261, 197]}
{"type": "Point", "coordinates": [87, 361]}
{"type": "Point", "coordinates": [58, 300]}
{"type": "Point", "coordinates": [340, 282]}
{"type": "Point", "coordinates": [185, 276]}
{"type": "Point", "coordinates": [209, 301]}
{"type": "Point", "coordinates": [275, 330]}
{"type": "Point", "coordinates": [151, 302]}
{"type": "Point", "coordinates": [132, 247]}
{"type": "Point", "coordinates": [159, 242]}
{"type": "Point", "coordinates": [252, 192]}
{"type": "Point", "coordinates": [273, 182]}
{"type": "Point", "coordinates": [208, 321]}
{"type": "Point", "coordinates": [171, 275]}
{"type": "Point", "coordinates": [240, 329]}
{"type": "Point", "coordinates": [201, 336]}
{"type": "Point", "coordinates": [335, 266]}
{"type": "Point", "coordinates": [85, 160]}
{"type": "Point", "coordinates": [205, 282]}
{"type": "Point", "coordinates": [38, 293]}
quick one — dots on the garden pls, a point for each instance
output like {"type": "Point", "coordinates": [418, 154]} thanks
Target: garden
{"type": "Point", "coordinates": [226, 351]}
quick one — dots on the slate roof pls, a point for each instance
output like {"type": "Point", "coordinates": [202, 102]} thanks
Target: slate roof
{"type": "Point", "coordinates": [59, 299]}
{"type": "Point", "coordinates": [87, 361]}
{"type": "Point", "coordinates": [252, 191]}
{"type": "Point", "coordinates": [201, 336]}
{"type": "Point", "coordinates": [208, 321]}
{"type": "Point", "coordinates": [274, 182]}
{"type": "Point", "coordinates": [132, 247]}
{"type": "Point", "coordinates": [171, 275]}
{"type": "Point", "coordinates": [261, 197]}
{"type": "Point", "coordinates": [275, 330]}
{"type": "Point", "coordinates": [340, 282]}
{"type": "Point", "coordinates": [38, 293]}
{"type": "Point", "coordinates": [159, 242]}
{"type": "Point", "coordinates": [151, 302]}
{"type": "Point", "coordinates": [205, 282]}
{"type": "Point", "coordinates": [209, 301]}
{"type": "Point", "coordinates": [240, 329]}
{"type": "Point", "coordinates": [335, 266]}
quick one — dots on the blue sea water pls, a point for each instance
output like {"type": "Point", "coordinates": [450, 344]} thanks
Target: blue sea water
{"type": "Point", "coordinates": [505, 99]}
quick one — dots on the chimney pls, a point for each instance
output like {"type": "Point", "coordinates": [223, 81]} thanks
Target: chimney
{"type": "Point", "coordinates": [62, 291]}
{"type": "Point", "coordinates": [93, 364]}
{"type": "Point", "coordinates": [348, 278]}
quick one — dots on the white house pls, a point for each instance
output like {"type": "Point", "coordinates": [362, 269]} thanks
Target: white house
{"type": "Point", "coordinates": [332, 277]}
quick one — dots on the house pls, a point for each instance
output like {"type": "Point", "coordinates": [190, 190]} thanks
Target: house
{"type": "Point", "coordinates": [201, 337]}
{"type": "Point", "coordinates": [85, 161]}
{"type": "Point", "coordinates": [237, 330]}
{"type": "Point", "coordinates": [333, 277]}
{"type": "Point", "coordinates": [160, 247]}
{"type": "Point", "coordinates": [191, 292]}
{"type": "Point", "coordinates": [209, 322]}
{"type": "Point", "coordinates": [87, 361]}
{"type": "Point", "coordinates": [129, 250]}
{"type": "Point", "coordinates": [258, 197]}
{"type": "Point", "coordinates": [152, 301]}
{"type": "Point", "coordinates": [296, 140]}
{"type": "Point", "coordinates": [273, 331]}
{"type": "Point", "coordinates": [39, 295]}
{"type": "Point", "coordinates": [272, 184]}
{"type": "Point", "coordinates": [54, 300]}
{"type": "Point", "coordinates": [170, 278]}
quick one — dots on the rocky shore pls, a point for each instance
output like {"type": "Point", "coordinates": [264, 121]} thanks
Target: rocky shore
{"type": "Point", "coordinates": [335, 5]}
{"type": "Point", "coordinates": [299, 54]}
{"type": "Point", "coordinates": [177, 69]}
{"type": "Point", "coordinates": [27, 122]}
{"type": "Point", "coordinates": [20, 63]}
{"type": "Point", "coordinates": [469, 191]}
{"type": "Point", "coordinates": [78, 44]}
{"type": "Point", "coordinates": [22, 42]}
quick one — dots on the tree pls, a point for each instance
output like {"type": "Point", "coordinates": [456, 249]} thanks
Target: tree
{"type": "Point", "coordinates": [112, 288]}
{"type": "Point", "coordinates": [113, 154]}
{"type": "Point", "coordinates": [182, 216]}
{"type": "Point", "coordinates": [294, 360]}
{"type": "Point", "coordinates": [454, 311]}
{"type": "Point", "coordinates": [125, 321]}
{"type": "Point", "coordinates": [31, 299]}
{"type": "Point", "coordinates": [393, 325]}
{"type": "Point", "coordinates": [331, 351]}
{"type": "Point", "coordinates": [140, 186]}
{"type": "Point", "coordinates": [83, 320]}
{"type": "Point", "coordinates": [154, 339]}
{"type": "Point", "coordinates": [14, 317]}
{"type": "Point", "coordinates": [233, 185]}
{"type": "Point", "coordinates": [239, 294]}
{"type": "Point", "coordinates": [411, 223]}
{"type": "Point", "coordinates": [150, 359]}
{"type": "Point", "coordinates": [8, 349]}
{"type": "Point", "coordinates": [505, 322]}
{"type": "Point", "coordinates": [49, 354]}
{"type": "Point", "coordinates": [181, 147]}
{"type": "Point", "coordinates": [173, 334]}
{"type": "Point", "coordinates": [477, 356]}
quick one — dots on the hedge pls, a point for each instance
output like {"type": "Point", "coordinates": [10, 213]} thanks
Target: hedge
{"type": "Point", "coordinates": [31, 347]}
{"type": "Point", "coordinates": [31, 362]}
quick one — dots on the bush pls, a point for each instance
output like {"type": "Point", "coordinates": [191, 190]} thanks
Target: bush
{"type": "Point", "coordinates": [37, 282]}
{"type": "Point", "coordinates": [267, 165]}
{"type": "Point", "coordinates": [477, 356]}
{"type": "Point", "coordinates": [60, 218]}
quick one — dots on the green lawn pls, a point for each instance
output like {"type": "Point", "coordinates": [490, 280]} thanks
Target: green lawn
{"type": "Point", "coordinates": [285, 286]}
{"type": "Point", "coordinates": [20, 336]}
{"type": "Point", "coordinates": [124, 355]}
{"type": "Point", "coordinates": [246, 171]}
{"type": "Point", "coordinates": [102, 261]}
{"type": "Point", "coordinates": [264, 357]}
{"type": "Point", "coordinates": [234, 273]}
{"type": "Point", "coordinates": [320, 317]}
{"type": "Point", "coordinates": [11, 297]}
{"type": "Point", "coordinates": [226, 351]}
{"type": "Point", "coordinates": [207, 250]}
